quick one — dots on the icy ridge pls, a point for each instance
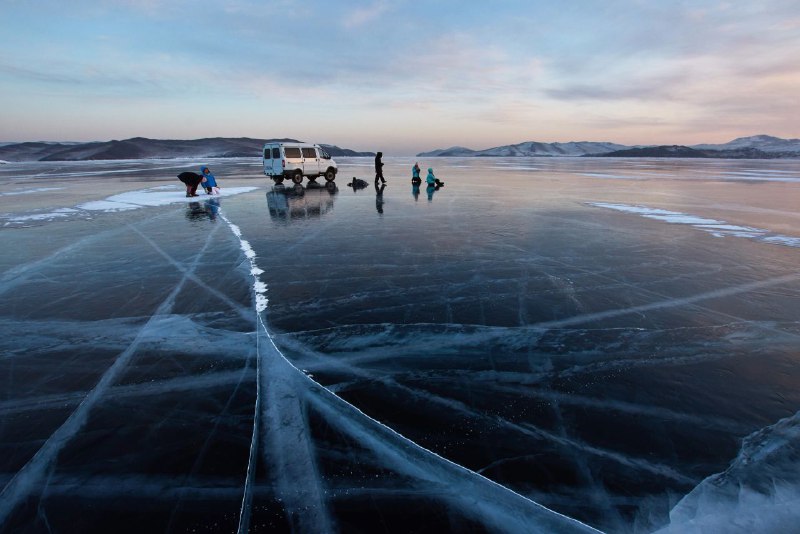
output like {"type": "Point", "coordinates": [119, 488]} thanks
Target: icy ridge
{"type": "Point", "coordinates": [759, 492]}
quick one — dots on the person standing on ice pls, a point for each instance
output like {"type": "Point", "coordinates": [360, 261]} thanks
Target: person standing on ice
{"type": "Point", "coordinates": [209, 182]}
{"type": "Point", "coordinates": [379, 168]}
{"type": "Point", "coordinates": [415, 179]}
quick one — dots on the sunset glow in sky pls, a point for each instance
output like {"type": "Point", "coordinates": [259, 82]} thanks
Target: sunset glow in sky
{"type": "Point", "coordinates": [400, 76]}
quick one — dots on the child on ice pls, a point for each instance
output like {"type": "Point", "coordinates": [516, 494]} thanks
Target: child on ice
{"type": "Point", "coordinates": [433, 180]}
{"type": "Point", "coordinates": [209, 182]}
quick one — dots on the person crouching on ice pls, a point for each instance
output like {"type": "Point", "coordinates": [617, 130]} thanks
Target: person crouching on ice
{"type": "Point", "coordinates": [191, 180]}
{"type": "Point", "coordinates": [209, 182]}
{"type": "Point", "coordinates": [433, 180]}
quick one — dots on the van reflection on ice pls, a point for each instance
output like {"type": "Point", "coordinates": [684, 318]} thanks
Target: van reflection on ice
{"type": "Point", "coordinates": [299, 202]}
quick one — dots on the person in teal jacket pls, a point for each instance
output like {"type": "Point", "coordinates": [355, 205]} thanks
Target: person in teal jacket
{"type": "Point", "coordinates": [415, 179]}
{"type": "Point", "coordinates": [433, 180]}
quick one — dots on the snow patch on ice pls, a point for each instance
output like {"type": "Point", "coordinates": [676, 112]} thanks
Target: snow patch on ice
{"type": "Point", "coordinates": [29, 191]}
{"type": "Point", "coordinates": [259, 287]}
{"type": "Point", "coordinates": [61, 212]}
{"type": "Point", "coordinates": [783, 240]}
{"type": "Point", "coordinates": [107, 206]}
{"type": "Point", "coordinates": [712, 226]}
{"type": "Point", "coordinates": [156, 196]}
{"type": "Point", "coordinates": [761, 176]}
{"type": "Point", "coordinates": [131, 200]}
{"type": "Point", "coordinates": [606, 176]}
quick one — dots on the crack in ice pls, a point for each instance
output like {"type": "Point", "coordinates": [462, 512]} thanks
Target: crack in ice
{"type": "Point", "coordinates": [39, 468]}
{"type": "Point", "coordinates": [298, 480]}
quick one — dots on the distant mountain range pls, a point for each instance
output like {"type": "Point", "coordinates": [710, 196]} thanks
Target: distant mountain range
{"type": "Point", "coordinates": [530, 148]}
{"type": "Point", "coordinates": [143, 148]}
{"type": "Point", "coordinates": [754, 147]}
{"type": "Point", "coordinates": [679, 151]}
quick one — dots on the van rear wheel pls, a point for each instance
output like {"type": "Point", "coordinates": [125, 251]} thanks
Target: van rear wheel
{"type": "Point", "coordinates": [297, 177]}
{"type": "Point", "coordinates": [330, 175]}
{"type": "Point", "coordinates": [277, 179]}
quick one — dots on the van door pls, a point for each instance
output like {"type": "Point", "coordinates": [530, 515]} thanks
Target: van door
{"type": "Point", "coordinates": [311, 160]}
{"type": "Point", "coordinates": [277, 161]}
{"type": "Point", "coordinates": [267, 160]}
{"type": "Point", "coordinates": [294, 159]}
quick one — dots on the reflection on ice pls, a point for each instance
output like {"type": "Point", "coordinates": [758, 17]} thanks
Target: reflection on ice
{"type": "Point", "coordinates": [208, 209]}
{"type": "Point", "coordinates": [299, 202]}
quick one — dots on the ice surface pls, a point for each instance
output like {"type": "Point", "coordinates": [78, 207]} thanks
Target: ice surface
{"type": "Point", "coordinates": [540, 341]}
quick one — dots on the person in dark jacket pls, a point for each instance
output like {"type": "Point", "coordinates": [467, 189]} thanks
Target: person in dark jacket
{"type": "Point", "coordinates": [379, 168]}
{"type": "Point", "coordinates": [191, 180]}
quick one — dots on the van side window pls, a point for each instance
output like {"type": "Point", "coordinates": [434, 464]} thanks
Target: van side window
{"type": "Point", "coordinates": [309, 152]}
{"type": "Point", "coordinates": [276, 153]}
{"type": "Point", "coordinates": [267, 153]}
{"type": "Point", "coordinates": [292, 152]}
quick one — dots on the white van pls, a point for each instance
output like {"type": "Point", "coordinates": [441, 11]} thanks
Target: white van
{"type": "Point", "coordinates": [295, 160]}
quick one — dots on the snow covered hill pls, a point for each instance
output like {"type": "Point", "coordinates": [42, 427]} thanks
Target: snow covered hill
{"type": "Point", "coordinates": [765, 143]}
{"type": "Point", "coordinates": [144, 148]}
{"type": "Point", "coordinates": [531, 148]}
{"type": "Point", "coordinates": [757, 146]}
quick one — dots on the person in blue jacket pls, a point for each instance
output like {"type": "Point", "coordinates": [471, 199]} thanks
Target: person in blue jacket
{"type": "Point", "coordinates": [209, 181]}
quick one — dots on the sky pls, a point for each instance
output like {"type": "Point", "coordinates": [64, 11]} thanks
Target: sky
{"type": "Point", "coordinates": [401, 76]}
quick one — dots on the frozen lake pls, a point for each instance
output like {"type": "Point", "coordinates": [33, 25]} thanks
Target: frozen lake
{"type": "Point", "coordinates": [542, 345]}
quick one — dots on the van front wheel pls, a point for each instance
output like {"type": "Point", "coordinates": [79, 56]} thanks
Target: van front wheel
{"type": "Point", "coordinates": [297, 177]}
{"type": "Point", "coordinates": [330, 175]}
